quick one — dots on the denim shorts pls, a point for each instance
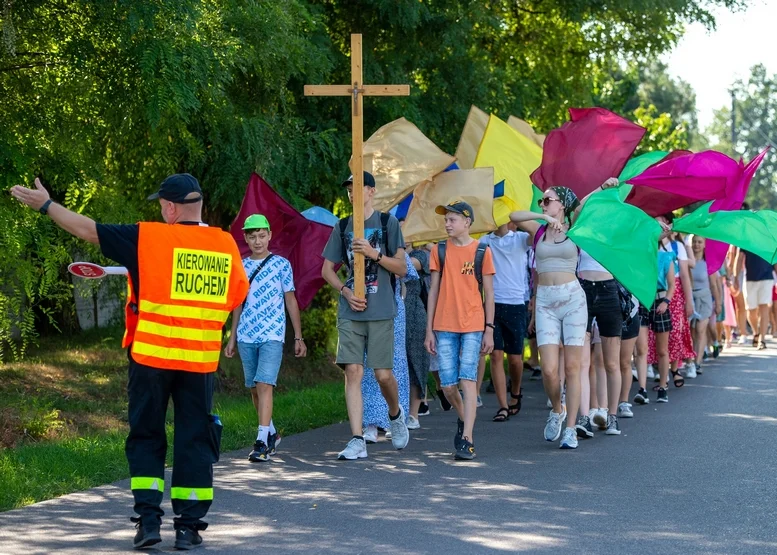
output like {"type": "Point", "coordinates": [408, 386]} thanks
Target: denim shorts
{"type": "Point", "coordinates": [261, 361]}
{"type": "Point", "coordinates": [458, 355]}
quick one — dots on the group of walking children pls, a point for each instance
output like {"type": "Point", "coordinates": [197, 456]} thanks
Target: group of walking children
{"type": "Point", "coordinates": [449, 305]}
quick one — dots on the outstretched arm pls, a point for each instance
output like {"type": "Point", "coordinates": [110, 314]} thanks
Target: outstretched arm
{"type": "Point", "coordinates": [610, 183]}
{"type": "Point", "coordinates": [75, 224]}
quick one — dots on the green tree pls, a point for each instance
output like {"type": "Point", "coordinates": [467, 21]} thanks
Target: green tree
{"type": "Point", "coordinates": [755, 129]}
{"type": "Point", "coordinates": [102, 99]}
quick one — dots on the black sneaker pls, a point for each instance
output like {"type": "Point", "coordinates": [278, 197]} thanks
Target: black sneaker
{"type": "Point", "coordinates": [583, 427]}
{"type": "Point", "coordinates": [465, 451]}
{"type": "Point", "coordinates": [273, 440]}
{"type": "Point", "coordinates": [187, 538]}
{"type": "Point", "coordinates": [536, 375]}
{"type": "Point", "coordinates": [459, 433]}
{"type": "Point", "coordinates": [446, 406]}
{"type": "Point", "coordinates": [146, 536]}
{"type": "Point", "coordinates": [260, 453]}
{"type": "Point", "coordinates": [641, 398]}
{"type": "Point", "coordinates": [423, 410]}
{"type": "Point", "coordinates": [662, 397]}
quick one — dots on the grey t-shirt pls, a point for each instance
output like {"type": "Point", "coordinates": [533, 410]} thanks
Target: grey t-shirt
{"type": "Point", "coordinates": [380, 296]}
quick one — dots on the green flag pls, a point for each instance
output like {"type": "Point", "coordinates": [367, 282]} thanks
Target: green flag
{"type": "Point", "coordinates": [623, 239]}
{"type": "Point", "coordinates": [755, 232]}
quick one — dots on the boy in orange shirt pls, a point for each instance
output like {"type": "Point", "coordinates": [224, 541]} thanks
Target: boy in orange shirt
{"type": "Point", "coordinates": [459, 326]}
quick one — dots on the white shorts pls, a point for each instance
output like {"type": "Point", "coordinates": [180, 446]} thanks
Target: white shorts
{"type": "Point", "coordinates": [561, 314]}
{"type": "Point", "coordinates": [758, 293]}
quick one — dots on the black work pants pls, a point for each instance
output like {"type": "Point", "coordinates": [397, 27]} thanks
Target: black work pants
{"type": "Point", "coordinates": [195, 447]}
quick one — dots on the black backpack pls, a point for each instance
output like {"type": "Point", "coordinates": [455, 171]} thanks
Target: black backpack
{"type": "Point", "coordinates": [384, 220]}
{"type": "Point", "coordinates": [480, 254]}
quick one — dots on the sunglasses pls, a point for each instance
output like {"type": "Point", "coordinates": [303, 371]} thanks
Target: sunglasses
{"type": "Point", "coordinates": [546, 201]}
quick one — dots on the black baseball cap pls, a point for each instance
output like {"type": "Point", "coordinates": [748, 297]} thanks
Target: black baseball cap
{"type": "Point", "coordinates": [459, 207]}
{"type": "Point", "coordinates": [177, 187]}
{"type": "Point", "coordinates": [369, 181]}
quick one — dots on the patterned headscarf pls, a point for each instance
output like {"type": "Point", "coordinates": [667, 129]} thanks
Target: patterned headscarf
{"type": "Point", "coordinates": [568, 199]}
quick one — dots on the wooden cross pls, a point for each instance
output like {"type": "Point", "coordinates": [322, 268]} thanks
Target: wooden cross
{"type": "Point", "coordinates": [357, 90]}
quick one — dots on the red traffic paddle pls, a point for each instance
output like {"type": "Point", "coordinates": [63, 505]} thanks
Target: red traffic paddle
{"type": "Point", "coordinates": [88, 270]}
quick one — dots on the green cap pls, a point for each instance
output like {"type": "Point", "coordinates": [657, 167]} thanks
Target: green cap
{"type": "Point", "coordinates": [256, 221]}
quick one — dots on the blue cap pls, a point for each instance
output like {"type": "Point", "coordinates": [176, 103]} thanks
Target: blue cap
{"type": "Point", "coordinates": [177, 187]}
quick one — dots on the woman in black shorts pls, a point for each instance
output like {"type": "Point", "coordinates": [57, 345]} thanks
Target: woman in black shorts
{"type": "Point", "coordinates": [659, 320]}
{"type": "Point", "coordinates": [603, 299]}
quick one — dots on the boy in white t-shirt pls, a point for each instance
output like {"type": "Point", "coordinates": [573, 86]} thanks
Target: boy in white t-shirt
{"type": "Point", "coordinates": [509, 248]}
{"type": "Point", "coordinates": [259, 328]}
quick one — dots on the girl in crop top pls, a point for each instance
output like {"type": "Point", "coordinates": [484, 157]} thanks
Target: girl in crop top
{"type": "Point", "coordinates": [560, 303]}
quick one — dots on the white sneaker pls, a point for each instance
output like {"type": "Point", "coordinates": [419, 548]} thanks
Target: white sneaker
{"type": "Point", "coordinates": [399, 434]}
{"type": "Point", "coordinates": [600, 418]}
{"type": "Point", "coordinates": [690, 370]}
{"type": "Point", "coordinates": [634, 373]}
{"type": "Point", "coordinates": [650, 372]}
{"type": "Point", "coordinates": [741, 340]}
{"type": "Point", "coordinates": [624, 410]}
{"type": "Point", "coordinates": [569, 441]}
{"type": "Point", "coordinates": [553, 426]}
{"type": "Point", "coordinates": [388, 434]}
{"type": "Point", "coordinates": [356, 449]}
{"type": "Point", "coordinates": [370, 434]}
{"type": "Point", "coordinates": [412, 423]}
{"type": "Point", "coordinates": [549, 404]}
{"type": "Point", "coordinates": [480, 402]}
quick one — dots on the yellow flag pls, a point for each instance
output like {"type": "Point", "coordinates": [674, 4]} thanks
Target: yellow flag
{"type": "Point", "coordinates": [526, 130]}
{"type": "Point", "coordinates": [514, 157]}
{"type": "Point", "coordinates": [475, 187]}
{"type": "Point", "coordinates": [470, 139]}
{"type": "Point", "coordinates": [400, 157]}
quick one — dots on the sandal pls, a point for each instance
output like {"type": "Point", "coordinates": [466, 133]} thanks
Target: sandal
{"type": "Point", "coordinates": [502, 415]}
{"type": "Point", "coordinates": [516, 408]}
{"type": "Point", "coordinates": [677, 378]}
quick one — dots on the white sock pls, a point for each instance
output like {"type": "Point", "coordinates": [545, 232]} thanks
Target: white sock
{"type": "Point", "coordinates": [272, 427]}
{"type": "Point", "coordinates": [264, 431]}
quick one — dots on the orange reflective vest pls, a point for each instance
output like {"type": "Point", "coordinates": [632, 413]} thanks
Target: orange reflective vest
{"type": "Point", "coordinates": [190, 279]}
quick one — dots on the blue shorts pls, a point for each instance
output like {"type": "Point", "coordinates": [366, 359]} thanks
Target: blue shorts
{"type": "Point", "coordinates": [458, 355]}
{"type": "Point", "coordinates": [261, 361]}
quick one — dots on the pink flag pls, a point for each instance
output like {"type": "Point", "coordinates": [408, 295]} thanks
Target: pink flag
{"type": "Point", "coordinates": [294, 237]}
{"type": "Point", "coordinates": [593, 146]}
{"type": "Point", "coordinates": [688, 178]}
{"type": "Point", "coordinates": [715, 251]}
{"type": "Point", "coordinates": [657, 202]}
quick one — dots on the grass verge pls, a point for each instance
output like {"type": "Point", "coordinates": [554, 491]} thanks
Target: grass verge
{"type": "Point", "coordinates": [63, 414]}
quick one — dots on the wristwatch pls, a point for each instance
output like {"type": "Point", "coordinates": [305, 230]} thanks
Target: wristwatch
{"type": "Point", "coordinates": [380, 255]}
{"type": "Point", "coordinates": [45, 208]}
{"type": "Point", "coordinates": [665, 300]}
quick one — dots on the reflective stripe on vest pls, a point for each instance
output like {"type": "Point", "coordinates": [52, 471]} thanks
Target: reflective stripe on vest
{"type": "Point", "coordinates": [143, 482]}
{"type": "Point", "coordinates": [192, 494]}
{"type": "Point", "coordinates": [190, 278]}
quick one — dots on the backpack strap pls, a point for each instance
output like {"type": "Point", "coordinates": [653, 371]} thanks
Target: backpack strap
{"type": "Point", "coordinates": [342, 225]}
{"type": "Point", "coordinates": [253, 277]}
{"type": "Point", "coordinates": [480, 254]}
{"type": "Point", "coordinates": [539, 235]}
{"type": "Point", "coordinates": [441, 246]}
{"type": "Point", "coordinates": [384, 220]}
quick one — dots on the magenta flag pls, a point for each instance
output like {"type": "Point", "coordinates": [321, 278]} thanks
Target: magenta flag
{"type": "Point", "coordinates": [657, 202]}
{"type": "Point", "coordinates": [294, 237]}
{"type": "Point", "coordinates": [690, 178]}
{"type": "Point", "coordinates": [587, 150]}
{"type": "Point", "coordinates": [715, 251]}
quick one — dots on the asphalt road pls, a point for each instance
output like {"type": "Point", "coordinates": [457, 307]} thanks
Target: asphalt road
{"type": "Point", "coordinates": [696, 475]}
